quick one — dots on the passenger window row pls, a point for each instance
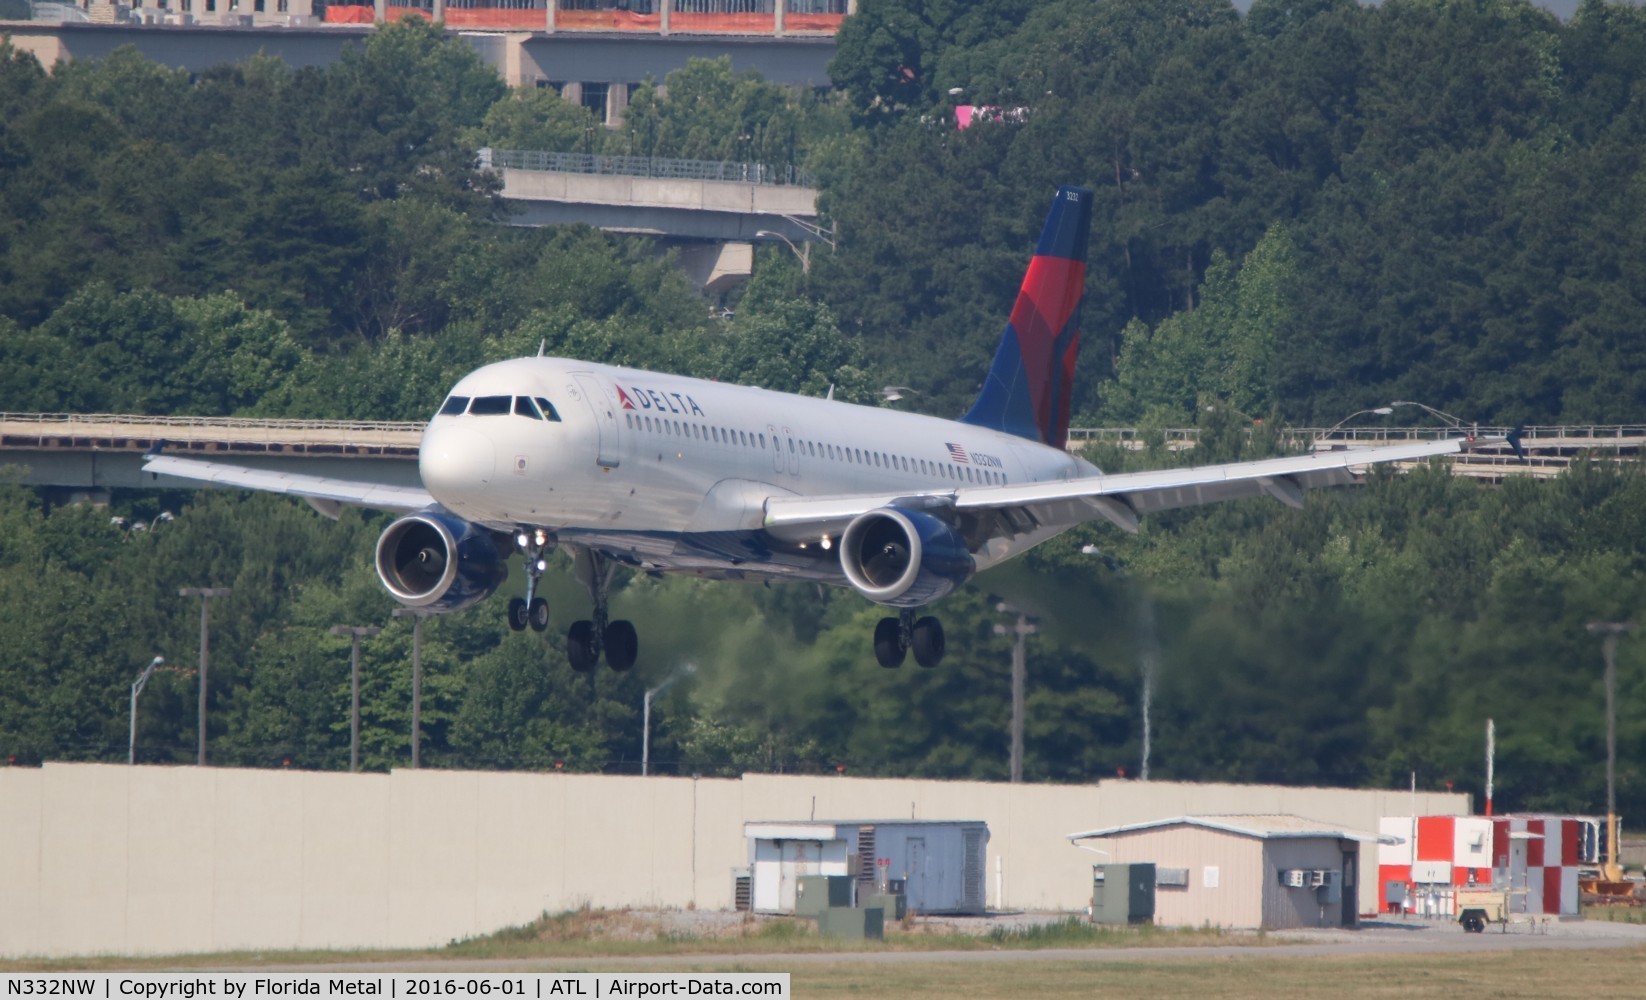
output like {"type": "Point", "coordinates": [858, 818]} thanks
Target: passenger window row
{"type": "Point", "coordinates": [838, 453]}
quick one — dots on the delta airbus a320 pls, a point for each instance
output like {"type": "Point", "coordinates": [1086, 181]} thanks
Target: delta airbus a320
{"type": "Point", "coordinates": [668, 474]}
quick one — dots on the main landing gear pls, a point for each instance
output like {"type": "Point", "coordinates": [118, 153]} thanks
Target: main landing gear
{"type": "Point", "coordinates": [894, 637]}
{"type": "Point", "coordinates": [532, 610]}
{"type": "Point", "coordinates": [587, 640]}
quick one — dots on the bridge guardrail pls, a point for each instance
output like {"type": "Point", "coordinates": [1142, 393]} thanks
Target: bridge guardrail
{"type": "Point", "coordinates": [130, 432]}
{"type": "Point", "coordinates": [57, 420]}
{"type": "Point", "coordinates": [647, 166]}
{"type": "Point", "coordinates": [1569, 436]}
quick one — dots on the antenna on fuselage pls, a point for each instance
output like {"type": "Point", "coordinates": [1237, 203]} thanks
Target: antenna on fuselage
{"type": "Point", "coordinates": [541, 344]}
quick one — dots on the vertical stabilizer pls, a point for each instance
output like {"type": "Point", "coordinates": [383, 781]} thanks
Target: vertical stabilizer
{"type": "Point", "coordinates": [1028, 386]}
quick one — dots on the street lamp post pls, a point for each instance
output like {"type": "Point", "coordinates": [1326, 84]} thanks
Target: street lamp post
{"type": "Point", "coordinates": [1021, 632]}
{"type": "Point", "coordinates": [205, 594]}
{"type": "Point", "coordinates": [1610, 632]}
{"type": "Point", "coordinates": [803, 251]}
{"type": "Point", "coordinates": [137, 690]}
{"type": "Point", "coordinates": [646, 714]}
{"type": "Point", "coordinates": [1148, 651]}
{"type": "Point", "coordinates": [416, 615]}
{"type": "Point", "coordinates": [1381, 411]}
{"type": "Point", "coordinates": [1455, 423]}
{"type": "Point", "coordinates": [354, 632]}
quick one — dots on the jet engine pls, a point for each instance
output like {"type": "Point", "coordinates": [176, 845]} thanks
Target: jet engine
{"type": "Point", "coordinates": [439, 562]}
{"type": "Point", "coordinates": [904, 558]}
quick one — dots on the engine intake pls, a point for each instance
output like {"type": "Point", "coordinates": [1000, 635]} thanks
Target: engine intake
{"type": "Point", "coordinates": [439, 562]}
{"type": "Point", "coordinates": [904, 558]}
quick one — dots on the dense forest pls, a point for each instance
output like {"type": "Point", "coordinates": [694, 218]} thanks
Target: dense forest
{"type": "Point", "coordinates": [1304, 211]}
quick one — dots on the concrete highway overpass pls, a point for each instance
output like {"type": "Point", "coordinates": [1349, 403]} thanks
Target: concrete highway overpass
{"type": "Point", "coordinates": [94, 453]}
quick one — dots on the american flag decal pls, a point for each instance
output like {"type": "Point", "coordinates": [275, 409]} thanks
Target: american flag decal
{"type": "Point", "coordinates": [956, 452]}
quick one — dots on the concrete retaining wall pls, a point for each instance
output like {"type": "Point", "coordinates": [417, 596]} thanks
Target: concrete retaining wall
{"type": "Point", "coordinates": [107, 859]}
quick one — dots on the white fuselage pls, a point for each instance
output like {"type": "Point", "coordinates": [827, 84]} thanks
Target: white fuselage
{"type": "Point", "coordinates": [650, 458]}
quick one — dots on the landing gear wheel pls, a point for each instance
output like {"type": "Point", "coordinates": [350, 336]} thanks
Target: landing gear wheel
{"type": "Point", "coordinates": [622, 645]}
{"type": "Point", "coordinates": [517, 614]}
{"type": "Point", "coordinates": [537, 614]}
{"type": "Point", "coordinates": [888, 643]}
{"type": "Point", "coordinates": [581, 647]}
{"type": "Point", "coordinates": [928, 642]}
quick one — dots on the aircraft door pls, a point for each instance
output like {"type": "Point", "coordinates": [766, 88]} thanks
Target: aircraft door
{"type": "Point", "coordinates": [604, 410]}
{"type": "Point", "coordinates": [779, 462]}
{"type": "Point", "coordinates": [794, 451]}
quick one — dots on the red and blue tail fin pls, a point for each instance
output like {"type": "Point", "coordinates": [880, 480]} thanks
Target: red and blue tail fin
{"type": "Point", "coordinates": [1028, 387]}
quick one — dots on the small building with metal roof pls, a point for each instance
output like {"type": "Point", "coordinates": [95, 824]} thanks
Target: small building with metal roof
{"type": "Point", "coordinates": [1259, 871]}
{"type": "Point", "coordinates": [937, 864]}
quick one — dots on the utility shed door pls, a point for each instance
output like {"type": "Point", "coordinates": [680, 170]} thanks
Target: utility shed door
{"type": "Point", "coordinates": [797, 858]}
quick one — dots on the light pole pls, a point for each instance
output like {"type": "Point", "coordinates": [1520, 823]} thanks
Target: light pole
{"type": "Point", "coordinates": [1455, 423]}
{"type": "Point", "coordinates": [1021, 632]}
{"type": "Point", "coordinates": [646, 714]}
{"type": "Point", "coordinates": [1610, 632]}
{"type": "Point", "coordinates": [1381, 411]}
{"type": "Point", "coordinates": [1148, 648]}
{"type": "Point", "coordinates": [205, 594]}
{"type": "Point", "coordinates": [416, 615]}
{"type": "Point", "coordinates": [804, 250]}
{"type": "Point", "coordinates": [354, 632]}
{"type": "Point", "coordinates": [136, 690]}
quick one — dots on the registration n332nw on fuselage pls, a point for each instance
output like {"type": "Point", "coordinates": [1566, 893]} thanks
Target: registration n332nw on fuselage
{"type": "Point", "coordinates": [663, 473]}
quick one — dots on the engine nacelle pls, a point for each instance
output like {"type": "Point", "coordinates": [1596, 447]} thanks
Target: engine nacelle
{"type": "Point", "coordinates": [904, 558]}
{"type": "Point", "coordinates": [439, 562]}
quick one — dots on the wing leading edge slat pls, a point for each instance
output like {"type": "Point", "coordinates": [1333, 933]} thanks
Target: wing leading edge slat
{"type": "Point", "coordinates": [325, 492]}
{"type": "Point", "coordinates": [1118, 498]}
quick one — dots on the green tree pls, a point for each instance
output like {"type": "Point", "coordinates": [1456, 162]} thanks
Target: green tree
{"type": "Point", "coordinates": [534, 118]}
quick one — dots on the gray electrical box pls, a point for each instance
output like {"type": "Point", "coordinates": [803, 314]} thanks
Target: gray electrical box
{"type": "Point", "coordinates": [815, 893]}
{"type": "Point", "coordinates": [895, 904]}
{"type": "Point", "coordinates": [852, 925]}
{"type": "Point", "coordinates": [1123, 894]}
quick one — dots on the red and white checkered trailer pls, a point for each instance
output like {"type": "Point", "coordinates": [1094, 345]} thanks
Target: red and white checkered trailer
{"type": "Point", "coordinates": [1535, 857]}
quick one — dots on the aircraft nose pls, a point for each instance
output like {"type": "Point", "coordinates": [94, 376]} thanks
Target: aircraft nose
{"type": "Point", "coordinates": [455, 461]}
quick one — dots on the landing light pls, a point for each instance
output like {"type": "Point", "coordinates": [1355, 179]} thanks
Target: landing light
{"type": "Point", "coordinates": [522, 540]}
{"type": "Point", "coordinates": [542, 565]}
{"type": "Point", "coordinates": [542, 537]}
{"type": "Point", "coordinates": [826, 543]}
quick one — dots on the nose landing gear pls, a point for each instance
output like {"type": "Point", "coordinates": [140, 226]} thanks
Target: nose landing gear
{"type": "Point", "coordinates": [532, 610]}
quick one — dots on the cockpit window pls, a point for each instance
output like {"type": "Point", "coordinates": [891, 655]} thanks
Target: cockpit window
{"type": "Point", "coordinates": [524, 407]}
{"type": "Point", "coordinates": [454, 406]}
{"type": "Point", "coordinates": [548, 409]}
{"type": "Point", "coordinates": [491, 406]}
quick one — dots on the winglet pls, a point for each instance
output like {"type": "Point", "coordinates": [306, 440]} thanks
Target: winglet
{"type": "Point", "coordinates": [1028, 387]}
{"type": "Point", "coordinates": [1513, 438]}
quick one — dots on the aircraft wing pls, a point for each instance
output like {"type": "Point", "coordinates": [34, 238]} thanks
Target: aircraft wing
{"type": "Point", "coordinates": [325, 493]}
{"type": "Point", "coordinates": [1119, 498]}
